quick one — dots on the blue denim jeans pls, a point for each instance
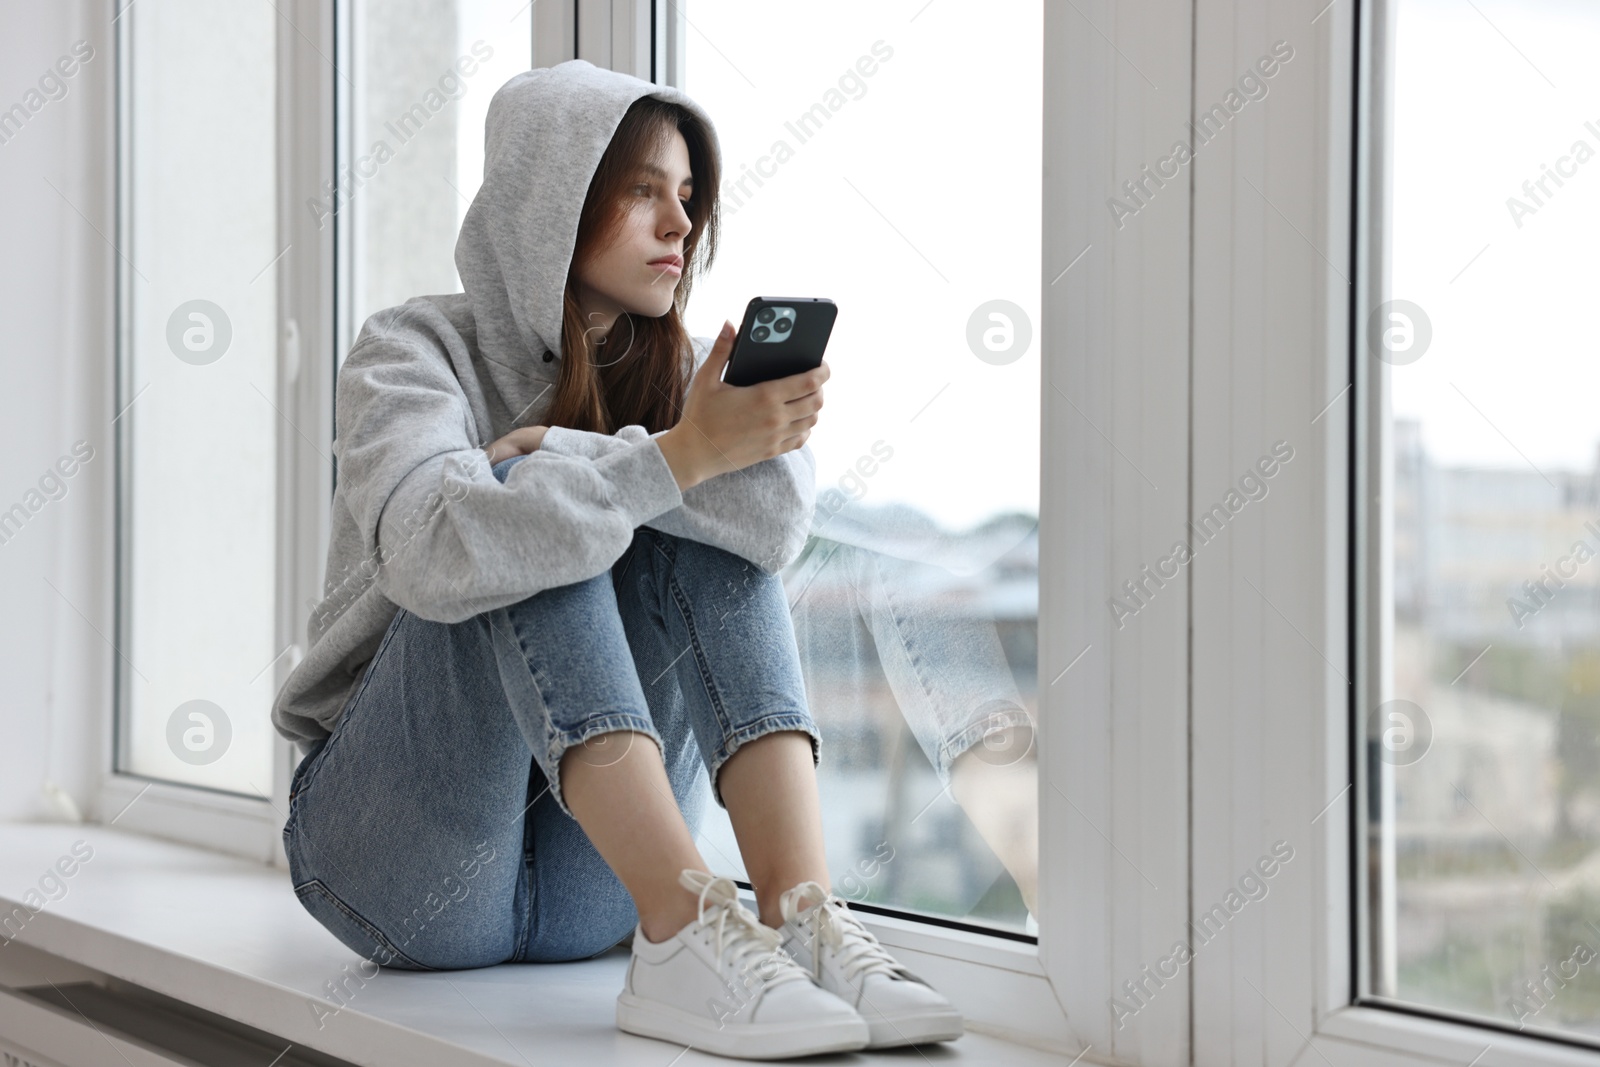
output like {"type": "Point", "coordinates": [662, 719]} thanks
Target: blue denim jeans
{"type": "Point", "coordinates": [429, 831]}
{"type": "Point", "coordinates": [942, 659]}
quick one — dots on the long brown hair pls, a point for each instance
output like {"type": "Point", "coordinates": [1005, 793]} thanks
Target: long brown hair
{"type": "Point", "coordinates": [638, 372]}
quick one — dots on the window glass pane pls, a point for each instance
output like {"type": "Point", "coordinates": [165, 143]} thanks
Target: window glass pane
{"type": "Point", "coordinates": [1493, 741]}
{"type": "Point", "coordinates": [423, 74]}
{"type": "Point", "coordinates": [857, 168]}
{"type": "Point", "coordinates": [198, 516]}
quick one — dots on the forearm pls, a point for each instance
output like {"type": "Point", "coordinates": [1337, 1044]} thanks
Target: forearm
{"type": "Point", "coordinates": [762, 513]}
{"type": "Point", "coordinates": [440, 540]}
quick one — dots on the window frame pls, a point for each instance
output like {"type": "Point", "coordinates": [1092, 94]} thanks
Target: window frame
{"type": "Point", "coordinates": [1321, 170]}
{"type": "Point", "coordinates": [1413, 1028]}
{"type": "Point", "coordinates": [1149, 754]}
{"type": "Point", "coordinates": [1270, 622]}
{"type": "Point", "coordinates": [1114, 803]}
{"type": "Point", "coordinates": [1023, 996]}
{"type": "Point", "coordinates": [229, 822]}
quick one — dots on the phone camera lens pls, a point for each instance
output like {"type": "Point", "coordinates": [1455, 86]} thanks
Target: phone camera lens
{"type": "Point", "coordinates": [765, 315]}
{"type": "Point", "coordinates": [782, 325]}
{"type": "Point", "coordinates": [760, 333]}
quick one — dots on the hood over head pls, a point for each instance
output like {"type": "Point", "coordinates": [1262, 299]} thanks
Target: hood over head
{"type": "Point", "coordinates": [545, 133]}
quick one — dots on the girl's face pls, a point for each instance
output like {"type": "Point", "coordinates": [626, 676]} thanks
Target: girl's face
{"type": "Point", "coordinates": [638, 273]}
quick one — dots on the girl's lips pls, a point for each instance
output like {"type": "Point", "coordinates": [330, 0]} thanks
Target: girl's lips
{"type": "Point", "coordinates": [667, 266]}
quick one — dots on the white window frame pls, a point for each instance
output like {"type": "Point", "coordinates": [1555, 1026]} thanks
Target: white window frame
{"type": "Point", "coordinates": [1176, 749]}
{"type": "Point", "coordinates": [1015, 989]}
{"type": "Point", "coordinates": [1114, 791]}
{"type": "Point", "coordinates": [210, 818]}
{"type": "Point", "coordinates": [1280, 670]}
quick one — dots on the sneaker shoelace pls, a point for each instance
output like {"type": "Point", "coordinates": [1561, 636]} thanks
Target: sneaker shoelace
{"type": "Point", "coordinates": [748, 941]}
{"type": "Point", "coordinates": [832, 923]}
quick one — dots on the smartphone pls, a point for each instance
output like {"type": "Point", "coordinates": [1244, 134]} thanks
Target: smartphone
{"type": "Point", "coordinates": [780, 336]}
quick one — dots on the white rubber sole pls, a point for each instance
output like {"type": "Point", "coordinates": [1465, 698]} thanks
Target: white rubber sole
{"type": "Point", "coordinates": [914, 1029]}
{"type": "Point", "coordinates": [746, 1041]}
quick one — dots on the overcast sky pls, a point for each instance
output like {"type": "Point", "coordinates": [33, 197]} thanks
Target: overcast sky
{"type": "Point", "coordinates": [1514, 331]}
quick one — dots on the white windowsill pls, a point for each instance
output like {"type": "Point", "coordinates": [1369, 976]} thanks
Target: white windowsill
{"type": "Point", "coordinates": [228, 936]}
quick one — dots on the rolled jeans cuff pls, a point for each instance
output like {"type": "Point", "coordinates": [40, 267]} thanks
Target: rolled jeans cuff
{"type": "Point", "coordinates": [990, 720]}
{"type": "Point", "coordinates": [562, 740]}
{"type": "Point", "coordinates": [766, 724]}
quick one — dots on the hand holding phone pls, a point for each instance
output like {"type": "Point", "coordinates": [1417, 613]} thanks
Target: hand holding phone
{"type": "Point", "coordinates": [725, 427]}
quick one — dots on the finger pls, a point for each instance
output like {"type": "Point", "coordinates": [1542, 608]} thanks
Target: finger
{"type": "Point", "coordinates": [798, 386]}
{"type": "Point", "coordinates": [790, 444]}
{"type": "Point", "coordinates": [798, 428]}
{"type": "Point", "coordinates": [804, 408]}
{"type": "Point", "coordinates": [720, 350]}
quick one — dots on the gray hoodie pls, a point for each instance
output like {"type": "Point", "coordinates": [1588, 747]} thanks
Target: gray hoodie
{"type": "Point", "coordinates": [419, 520]}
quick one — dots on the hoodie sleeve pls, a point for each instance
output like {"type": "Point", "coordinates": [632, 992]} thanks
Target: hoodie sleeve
{"type": "Point", "coordinates": [762, 512]}
{"type": "Point", "coordinates": [448, 538]}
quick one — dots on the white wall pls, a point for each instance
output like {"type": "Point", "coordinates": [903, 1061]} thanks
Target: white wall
{"type": "Point", "coordinates": [56, 359]}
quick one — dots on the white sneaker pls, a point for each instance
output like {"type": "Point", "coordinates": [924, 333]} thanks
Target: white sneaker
{"type": "Point", "coordinates": [723, 984]}
{"type": "Point", "coordinates": [847, 960]}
